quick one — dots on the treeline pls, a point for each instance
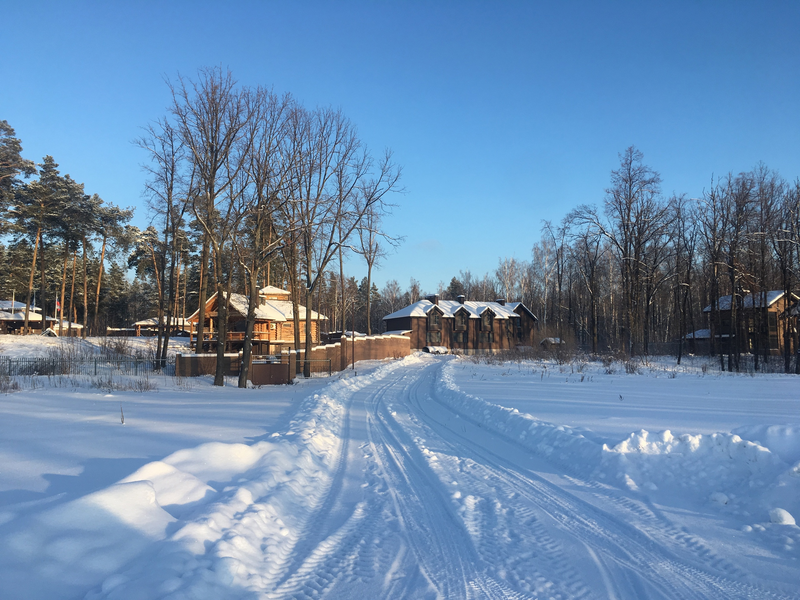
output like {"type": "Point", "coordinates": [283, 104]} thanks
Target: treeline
{"type": "Point", "coordinates": [639, 269]}
{"type": "Point", "coordinates": [57, 241]}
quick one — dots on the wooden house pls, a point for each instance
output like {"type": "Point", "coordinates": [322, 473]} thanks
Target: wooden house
{"type": "Point", "coordinates": [274, 326]}
{"type": "Point", "coordinates": [763, 319]}
{"type": "Point", "coordinates": [467, 326]}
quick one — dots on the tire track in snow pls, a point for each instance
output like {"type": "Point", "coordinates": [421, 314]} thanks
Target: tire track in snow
{"type": "Point", "coordinates": [642, 566]}
{"type": "Point", "coordinates": [542, 565]}
{"type": "Point", "coordinates": [342, 530]}
{"type": "Point", "coordinates": [483, 580]}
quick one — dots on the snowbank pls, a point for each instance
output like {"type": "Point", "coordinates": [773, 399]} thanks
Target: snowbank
{"type": "Point", "coordinates": [741, 477]}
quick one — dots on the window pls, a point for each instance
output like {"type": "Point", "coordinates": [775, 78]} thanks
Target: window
{"type": "Point", "coordinates": [434, 320]}
{"type": "Point", "coordinates": [462, 318]}
{"type": "Point", "coordinates": [487, 320]}
{"type": "Point", "coordinates": [459, 337]}
{"type": "Point", "coordinates": [486, 333]}
{"type": "Point", "coordinates": [434, 338]}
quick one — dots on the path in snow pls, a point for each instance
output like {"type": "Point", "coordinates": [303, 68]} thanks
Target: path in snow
{"type": "Point", "coordinates": [422, 502]}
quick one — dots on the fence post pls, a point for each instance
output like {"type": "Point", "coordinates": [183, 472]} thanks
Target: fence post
{"type": "Point", "coordinates": [95, 367]}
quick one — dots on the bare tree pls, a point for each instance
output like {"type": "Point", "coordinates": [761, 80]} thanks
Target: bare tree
{"type": "Point", "coordinates": [211, 116]}
{"type": "Point", "coordinates": [268, 175]}
{"type": "Point", "coordinates": [370, 236]}
{"type": "Point", "coordinates": [335, 182]}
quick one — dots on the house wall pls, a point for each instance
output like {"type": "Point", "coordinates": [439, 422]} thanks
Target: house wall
{"type": "Point", "coordinates": [770, 334]}
{"type": "Point", "coordinates": [504, 337]}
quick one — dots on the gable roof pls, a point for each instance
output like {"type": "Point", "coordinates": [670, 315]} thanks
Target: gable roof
{"type": "Point", "coordinates": [751, 300]}
{"type": "Point", "coordinates": [449, 308]}
{"type": "Point", "coordinates": [271, 290]}
{"type": "Point", "coordinates": [267, 310]}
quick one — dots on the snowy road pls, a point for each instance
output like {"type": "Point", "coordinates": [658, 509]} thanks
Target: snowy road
{"type": "Point", "coordinates": [381, 489]}
{"type": "Point", "coordinates": [481, 523]}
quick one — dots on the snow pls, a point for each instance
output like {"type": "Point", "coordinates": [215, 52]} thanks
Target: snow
{"type": "Point", "coordinates": [427, 477]}
{"type": "Point", "coordinates": [751, 300]}
{"type": "Point", "coordinates": [267, 310]}
{"type": "Point", "coordinates": [450, 307]}
{"type": "Point", "coordinates": [37, 346]}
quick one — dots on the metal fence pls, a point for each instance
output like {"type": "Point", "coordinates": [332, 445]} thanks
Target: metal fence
{"type": "Point", "coordinates": [14, 367]}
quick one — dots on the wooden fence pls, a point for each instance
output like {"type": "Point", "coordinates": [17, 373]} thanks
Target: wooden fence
{"type": "Point", "coordinates": [324, 360]}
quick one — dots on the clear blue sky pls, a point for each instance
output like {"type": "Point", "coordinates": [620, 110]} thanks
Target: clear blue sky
{"type": "Point", "coordinates": [502, 114]}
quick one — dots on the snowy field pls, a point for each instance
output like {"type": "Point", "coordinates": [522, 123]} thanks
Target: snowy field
{"type": "Point", "coordinates": [429, 477]}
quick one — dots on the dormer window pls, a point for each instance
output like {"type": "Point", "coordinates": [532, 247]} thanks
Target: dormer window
{"type": "Point", "coordinates": [461, 320]}
{"type": "Point", "coordinates": [486, 333]}
{"type": "Point", "coordinates": [434, 320]}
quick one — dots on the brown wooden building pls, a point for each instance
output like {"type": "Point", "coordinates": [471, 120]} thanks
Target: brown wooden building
{"type": "Point", "coordinates": [763, 319]}
{"type": "Point", "coordinates": [468, 326]}
{"type": "Point", "coordinates": [274, 326]}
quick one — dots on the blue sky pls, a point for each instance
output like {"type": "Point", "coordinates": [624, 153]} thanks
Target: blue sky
{"type": "Point", "coordinates": [502, 114]}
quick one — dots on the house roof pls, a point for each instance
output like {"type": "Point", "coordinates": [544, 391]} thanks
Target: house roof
{"type": "Point", "coordinates": [700, 334]}
{"type": "Point", "coordinates": [271, 290]}
{"type": "Point", "coordinates": [153, 321]}
{"type": "Point", "coordinates": [20, 316]}
{"type": "Point", "coordinates": [15, 305]}
{"type": "Point", "coordinates": [449, 308]}
{"type": "Point", "coordinates": [751, 300]}
{"type": "Point", "coordinates": [267, 310]}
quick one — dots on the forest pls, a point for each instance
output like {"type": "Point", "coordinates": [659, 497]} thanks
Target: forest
{"type": "Point", "coordinates": [247, 188]}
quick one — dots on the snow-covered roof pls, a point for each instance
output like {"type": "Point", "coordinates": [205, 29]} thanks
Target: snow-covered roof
{"type": "Point", "coordinates": [271, 290]}
{"type": "Point", "coordinates": [513, 306]}
{"type": "Point", "coordinates": [450, 307]}
{"type": "Point", "coordinates": [153, 321]}
{"type": "Point", "coordinates": [751, 300]}
{"type": "Point", "coordinates": [266, 310]}
{"type": "Point", "coordinates": [14, 305]}
{"type": "Point", "coordinates": [397, 332]}
{"type": "Point", "coordinates": [20, 316]}
{"type": "Point", "coordinates": [700, 334]}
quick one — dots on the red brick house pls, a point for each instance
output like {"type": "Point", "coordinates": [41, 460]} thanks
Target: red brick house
{"type": "Point", "coordinates": [468, 326]}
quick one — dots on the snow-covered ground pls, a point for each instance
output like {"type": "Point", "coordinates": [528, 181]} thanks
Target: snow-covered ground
{"type": "Point", "coordinates": [429, 477]}
{"type": "Point", "coordinates": [39, 346]}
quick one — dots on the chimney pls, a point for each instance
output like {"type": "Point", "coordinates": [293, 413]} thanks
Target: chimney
{"type": "Point", "coordinates": [461, 298]}
{"type": "Point", "coordinates": [501, 301]}
{"type": "Point", "coordinates": [434, 298]}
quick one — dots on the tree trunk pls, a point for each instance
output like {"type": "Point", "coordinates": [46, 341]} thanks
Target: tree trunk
{"type": "Point", "coordinates": [72, 294]}
{"type": "Point", "coordinates": [84, 332]}
{"type": "Point", "coordinates": [369, 297]}
{"type": "Point", "coordinates": [203, 291]}
{"type": "Point", "coordinates": [95, 323]}
{"type": "Point", "coordinates": [63, 289]}
{"type": "Point", "coordinates": [30, 281]}
{"type": "Point", "coordinates": [247, 349]}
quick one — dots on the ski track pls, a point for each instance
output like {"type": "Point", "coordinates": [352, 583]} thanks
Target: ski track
{"type": "Point", "coordinates": [426, 503]}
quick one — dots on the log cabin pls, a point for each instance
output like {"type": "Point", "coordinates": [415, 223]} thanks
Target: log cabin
{"type": "Point", "coordinates": [274, 326]}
